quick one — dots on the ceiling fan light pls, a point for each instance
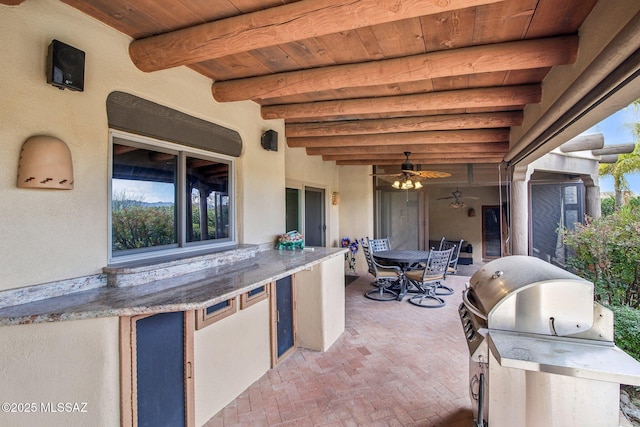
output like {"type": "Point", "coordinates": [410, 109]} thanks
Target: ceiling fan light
{"type": "Point", "coordinates": [418, 185]}
{"type": "Point", "coordinates": [396, 185]}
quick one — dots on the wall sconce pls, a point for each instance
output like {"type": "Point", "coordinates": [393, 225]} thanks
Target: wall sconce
{"type": "Point", "coordinates": [471, 212]}
{"type": "Point", "coordinates": [45, 162]}
{"type": "Point", "coordinates": [335, 198]}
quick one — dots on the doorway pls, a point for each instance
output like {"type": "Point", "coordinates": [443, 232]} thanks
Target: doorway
{"type": "Point", "coordinates": [491, 241]}
{"type": "Point", "coordinates": [314, 217]}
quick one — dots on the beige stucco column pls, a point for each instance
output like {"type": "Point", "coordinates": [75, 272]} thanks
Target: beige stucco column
{"type": "Point", "coordinates": [520, 211]}
{"type": "Point", "coordinates": [592, 196]}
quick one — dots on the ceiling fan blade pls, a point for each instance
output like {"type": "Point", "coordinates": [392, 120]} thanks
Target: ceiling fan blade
{"type": "Point", "coordinates": [385, 174]}
{"type": "Point", "coordinates": [430, 174]}
{"type": "Point", "coordinates": [445, 198]}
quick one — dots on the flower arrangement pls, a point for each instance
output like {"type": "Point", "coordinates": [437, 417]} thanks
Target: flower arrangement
{"type": "Point", "coordinates": [350, 257]}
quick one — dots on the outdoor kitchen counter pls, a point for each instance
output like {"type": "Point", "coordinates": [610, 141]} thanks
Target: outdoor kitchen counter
{"type": "Point", "coordinates": [191, 290]}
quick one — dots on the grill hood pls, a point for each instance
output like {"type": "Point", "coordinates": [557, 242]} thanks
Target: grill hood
{"type": "Point", "coordinates": [527, 294]}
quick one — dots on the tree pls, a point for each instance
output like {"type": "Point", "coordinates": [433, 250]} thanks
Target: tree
{"type": "Point", "coordinates": [626, 164]}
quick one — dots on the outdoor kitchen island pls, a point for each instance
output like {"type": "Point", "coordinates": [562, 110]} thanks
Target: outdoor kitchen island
{"type": "Point", "coordinates": [82, 346]}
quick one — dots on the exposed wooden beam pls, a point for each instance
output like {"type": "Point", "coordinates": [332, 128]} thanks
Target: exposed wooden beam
{"type": "Point", "coordinates": [438, 160]}
{"type": "Point", "coordinates": [511, 96]}
{"type": "Point", "coordinates": [11, 2]}
{"type": "Point", "coordinates": [518, 55]}
{"type": "Point", "coordinates": [415, 149]}
{"type": "Point", "coordinates": [406, 124]}
{"type": "Point", "coordinates": [449, 137]}
{"type": "Point", "coordinates": [277, 25]}
{"type": "Point", "coordinates": [422, 158]}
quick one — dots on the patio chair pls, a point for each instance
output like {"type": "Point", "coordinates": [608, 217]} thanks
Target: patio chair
{"type": "Point", "coordinates": [377, 245]}
{"type": "Point", "coordinates": [447, 244]}
{"type": "Point", "coordinates": [429, 278]}
{"type": "Point", "coordinates": [386, 277]}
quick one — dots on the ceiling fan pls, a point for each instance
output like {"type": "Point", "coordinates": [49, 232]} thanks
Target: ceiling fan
{"type": "Point", "coordinates": [409, 177]}
{"type": "Point", "coordinates": [457, 199]}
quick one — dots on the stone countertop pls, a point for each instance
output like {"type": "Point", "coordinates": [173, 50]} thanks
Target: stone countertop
{"type": "Point", "coordinates": [190, 291]}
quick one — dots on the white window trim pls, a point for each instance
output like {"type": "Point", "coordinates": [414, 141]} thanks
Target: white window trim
{"type": "Point", "coordinates": [188, 248]}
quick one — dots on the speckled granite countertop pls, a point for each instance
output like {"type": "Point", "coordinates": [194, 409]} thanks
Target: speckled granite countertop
{"type": "Point", "coordinates": [196, 289]}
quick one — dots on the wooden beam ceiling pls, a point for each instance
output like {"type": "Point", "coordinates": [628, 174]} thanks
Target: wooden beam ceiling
{"type": "Point", "coordinates": [360, 82]}
{"type": "Point", "coordinates": [526, 54]}
{"type": "Point", "coordinates": [278, 25]}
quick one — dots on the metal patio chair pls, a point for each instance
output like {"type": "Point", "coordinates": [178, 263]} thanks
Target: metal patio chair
{"type": "Point", "coordinates": [429, 278]}
{"type": "Point", "coordinates": [386, 277]}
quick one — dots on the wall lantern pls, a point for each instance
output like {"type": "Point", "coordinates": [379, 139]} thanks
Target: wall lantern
{"type": "Point", "coordinates": [335, 198]}
{"type": "Point", "coordinates": [45, 162]}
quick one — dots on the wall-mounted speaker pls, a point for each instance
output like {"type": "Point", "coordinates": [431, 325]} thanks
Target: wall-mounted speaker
{"type": "Point", "coordinates": [65, 66]}
{"type": "Point", "coordinates": [269, 140]}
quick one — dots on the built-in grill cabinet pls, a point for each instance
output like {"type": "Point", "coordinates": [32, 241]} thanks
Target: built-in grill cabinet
{"type": "Point", "coordinates": [541, 351]}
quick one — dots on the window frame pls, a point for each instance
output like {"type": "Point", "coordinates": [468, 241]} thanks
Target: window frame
{"type": "Point", "coordinates": [182, 247]}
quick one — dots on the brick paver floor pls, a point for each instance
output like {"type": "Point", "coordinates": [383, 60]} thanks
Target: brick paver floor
{"type": "Point", "coordinates": [395, 365]}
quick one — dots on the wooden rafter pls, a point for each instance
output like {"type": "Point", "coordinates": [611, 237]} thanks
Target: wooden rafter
{"type": "Point", "coordinates": [277, 25]}
{"type": "Point", "coordinates": [526, 54]}
{"type": "Point", "coordinates": [406, 124]}
{"type": "Point", "coordinates": [394, 151]}
{"type": "Point", "coordinates": [449, 137]}
{"type": "Point", "coordinates": [511, 96]}
{"type": "Point", "coordinates": [432, 159]}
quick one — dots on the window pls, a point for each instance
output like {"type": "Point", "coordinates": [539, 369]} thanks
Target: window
{"type": "Point", "coordinates": [167, 198]}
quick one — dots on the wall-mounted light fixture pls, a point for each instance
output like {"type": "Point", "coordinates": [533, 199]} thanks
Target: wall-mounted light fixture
{"type": "Point", "coordinates": [45, 162]}
{"type": "Point", "coordinates": [335, 198]}
{"type": "Point", "coordinates": [471, 212]}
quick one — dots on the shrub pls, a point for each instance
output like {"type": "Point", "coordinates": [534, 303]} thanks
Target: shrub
{"type": "Point", "coordinates": [627, 329]}
{"type": "Point", "coordinates": [606, 252]}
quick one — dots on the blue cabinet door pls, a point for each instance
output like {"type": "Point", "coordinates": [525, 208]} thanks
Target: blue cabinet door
{"type": "Point", "coordinates": [160, 365]}
{"type": "Point", "coordinates": [285, 315]}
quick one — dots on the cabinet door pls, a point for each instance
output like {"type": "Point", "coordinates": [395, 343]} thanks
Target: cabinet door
{"type": "Point", "coordinates": [160, 370]}
{"type": "Point", "coordinates": [284, 340]}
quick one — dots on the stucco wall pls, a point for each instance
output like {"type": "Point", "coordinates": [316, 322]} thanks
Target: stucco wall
{"type": "Point", "coordinates": [229, 356]}
{"type": "Point", "coordinates": [455, 224]}
{"type": "Point", "coordinates": [61, 362]}
{"type": "Point", "coordinates": [356, 206]}
{"type": "Point", "coordinates": [64, 233]}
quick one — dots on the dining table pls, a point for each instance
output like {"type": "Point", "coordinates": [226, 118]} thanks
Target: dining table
{"type": "Point", "coordinates": [405, 260]}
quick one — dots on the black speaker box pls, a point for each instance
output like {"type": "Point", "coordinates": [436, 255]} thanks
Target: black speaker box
{"type": "Point", "coordinates": [269, 140]}
{"type": "Point", "coordinates": [65, 66]}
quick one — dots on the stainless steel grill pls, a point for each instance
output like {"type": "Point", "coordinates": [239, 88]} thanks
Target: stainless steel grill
{"type": "Point", "coordinates": [541, 350]}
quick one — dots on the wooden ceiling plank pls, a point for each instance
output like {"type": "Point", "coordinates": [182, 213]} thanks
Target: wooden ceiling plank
{"type": "Point", "coordinates": [406, 124]}
{"type": "Point", "coordinates": [416, 149]}
{"type": "Point", "coordinates": [296, 21]}
{"type": "Point", "coordinates": [465, 98]}
{"type": "Point", "coordinates": [433, 137]}
{"type": "Point", "coordinates": [526, 54]}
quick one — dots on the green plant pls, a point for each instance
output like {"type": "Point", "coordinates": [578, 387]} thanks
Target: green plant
{"type": "Point", "coordinates": [627, 329]}
{"type": "Point", "coordinates": [606, 252]}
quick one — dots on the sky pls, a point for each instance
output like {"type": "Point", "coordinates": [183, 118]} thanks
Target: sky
{"type": "Point", "coordinates": [618, 129]}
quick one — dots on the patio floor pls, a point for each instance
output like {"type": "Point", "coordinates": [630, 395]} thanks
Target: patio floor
{"type": "Point", "coordinates": [395, 365]}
